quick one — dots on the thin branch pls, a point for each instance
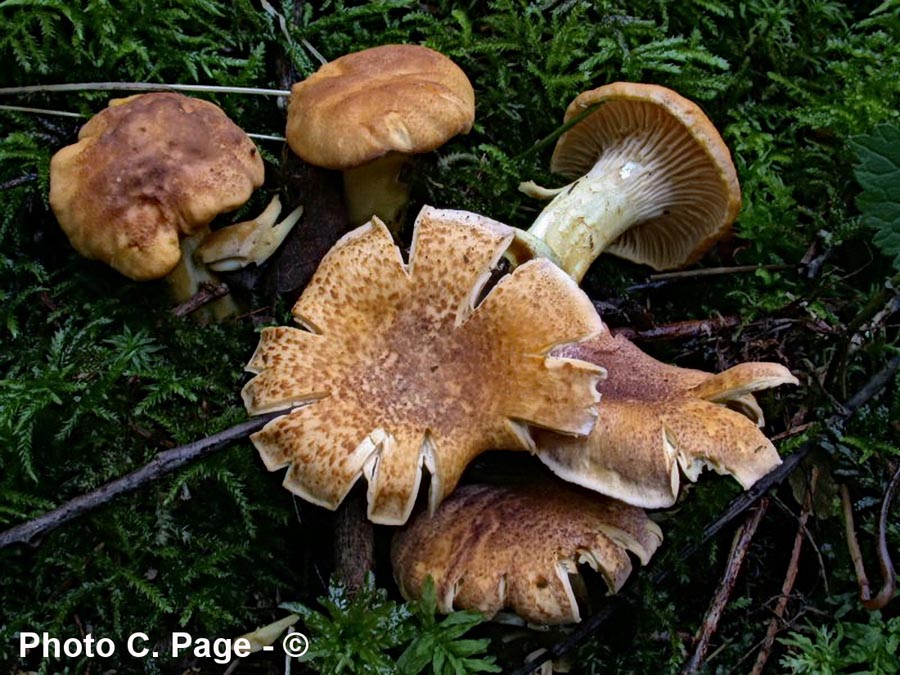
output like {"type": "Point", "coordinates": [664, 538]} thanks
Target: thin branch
{"type": "Point", "coordinates": [142, 86]}
{"type": "Point", "coordinates": [207, 293]}
{"type": "Point", "coordinates": [715, 272]}
{"type": "Point", "coordinates": [741, 545]}
{"type": "Point", "coordinates": [888, 575]}
{"type": "Point", "coordinates": [680, 329]}
{"type": "Point", "coordinates": [871, 389]}
{"type": "Point", "coordinates": [16, 182]}
{"type": "Point", "coordinates": [164, 463]}
{"type": "Point", "coordinates": [40, 111]}
{"type": "Point", "coordinates": [657, 280]}
{"type": "Point", "coordinates": [790, 578]}
{"type": "Point", "coordinates": [856, 557]}
{"type": "Point", "coordinates": [66, 113]}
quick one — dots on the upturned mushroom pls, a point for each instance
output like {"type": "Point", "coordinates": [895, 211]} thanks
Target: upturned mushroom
{"type": "Point", "coordinates": [657, 422]}
{"type": "Point", "coordinates": [146, 178]}
{"type": "Point", "coordinates": [653, 182]}
{"type": "Point", "coordinates": [518, 547]}
{"type": "Point", "coordinates": [366, 113]}
{"type": "Point", "coordinates": [399, 366]}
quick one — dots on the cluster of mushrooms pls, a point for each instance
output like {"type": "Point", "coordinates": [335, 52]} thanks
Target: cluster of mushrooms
{"type": "Point", "coordinates": [402, 365]}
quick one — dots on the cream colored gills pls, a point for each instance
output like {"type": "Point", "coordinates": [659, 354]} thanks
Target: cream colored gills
{"type": "Point", "coordinates": [654, 182]}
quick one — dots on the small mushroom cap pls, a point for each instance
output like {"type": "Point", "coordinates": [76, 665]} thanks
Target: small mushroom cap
{"type": "Point", "coordinates": [146, 171]}
{"type": "Point", "coordinates": [488, 548]}
{"type": "Point", "coordinates": [400, 98]}
{"type": "Point", "coordinates": [655, 419]}
{"type": "Point", "coordinates": [403, 367]}
{"type": "Point", "coordinates": [667, 132]}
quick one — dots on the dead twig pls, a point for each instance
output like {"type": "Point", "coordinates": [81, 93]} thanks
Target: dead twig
{"type": "Point", "coordinates": [679, 330]}
{"type": "Point", "coordinates": [16, 182]}
{"type": "Point", "coordinates": [715, 272]}
{"type": "Point", "coordinates": [141, 86]}
{"type": "Point", "coordinates": [162, 464]}
{"type": "Point", "coordinates": [657, 280]}
{"type": "Point", "coordinates": [208, 292]}
{"type": "Point", "coordinates": [888, 575]}
{"type": "Point", "coordinates": [788, 586]}
{"type": "Point", "coordinates": [742, 539]}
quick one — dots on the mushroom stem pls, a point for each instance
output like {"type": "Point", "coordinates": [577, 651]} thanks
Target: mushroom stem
{"type": "Point", "coordinates": [189, 276]}
{"type": "Point", "coordinates": [354, 542]}
{"type": "Point", "coordinates": [376, 189]}
{"type": "Point", "coordinates": [587, 215]}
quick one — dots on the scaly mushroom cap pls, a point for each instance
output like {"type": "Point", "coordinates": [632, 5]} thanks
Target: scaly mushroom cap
{"type": "Point", "coordinates": [655, 418]}
{"type": "Point", "coordinates": [693, 196]}
{"type": "Point", "coordinates": [145, 171]}
{"type": "Point", "coordinates": [400, 368]}
{"type": "Point", "coordinates": [488, 548]}
{"type": "Point", "coordinates": [401, 98]}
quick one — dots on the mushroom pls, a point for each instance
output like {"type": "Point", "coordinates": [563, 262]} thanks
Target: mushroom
{"type": "Point", "coordinates": [145, 179]}
{"type": "Point", "coordinates": [655, 419]}
{"type": "Point", "coordinates": [518, 547]}
{"type": "Point", "coordinates": [366, 113]}
{"type": "Point", "coordinates": [653, 182]}
{"type": "Point", "coordinates": [401, 366]}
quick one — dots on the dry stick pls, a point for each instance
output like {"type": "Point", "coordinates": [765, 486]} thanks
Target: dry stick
{"type": "Point", "coordinates": [208, 292]}
{"type": "Point", "coordinates": [141, 86]}
{"type": "Point", "coordinates": [742, 539]}
{"type": "Point", "coordinates": [737, 506]}
{"type": "Point", "coordinates": [161, 465]}
{"type": "Point", "coordinates": [888, 575]}
{"type": "Point", "coordinates": [656, 280]}
{"type": "Point", "coordinates": [715, 271]}
{"type": "Point", "coordinates": [16, 182]}
{"type": "Point", "coordinates": [66, 113]}
{"type": "Point", "coordinates": [775, 623]}
{"type": "Point", "coordinates": [680, 329]}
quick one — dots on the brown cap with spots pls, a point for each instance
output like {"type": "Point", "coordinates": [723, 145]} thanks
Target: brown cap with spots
{"type": "Point", "coordinates": [403, 367]}
{"type": "Point", "coordinates": [489, 548]}
{"type": "Point", "coordinates": [689, 193]}
{"type": "Point", "coordinates": [400, 98]}
{"type": "Point", "coordinates": [144, 172]}
{"type": "Point", "coordinates": [656, 418]}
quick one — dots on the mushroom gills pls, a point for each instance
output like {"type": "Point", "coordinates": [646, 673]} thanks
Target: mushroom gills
{"type": "Point", "coordinates": [252, 241]}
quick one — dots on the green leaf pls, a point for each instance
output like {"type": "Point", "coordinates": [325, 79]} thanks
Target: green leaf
{"type": "Point", "coordinates": [878, 172]}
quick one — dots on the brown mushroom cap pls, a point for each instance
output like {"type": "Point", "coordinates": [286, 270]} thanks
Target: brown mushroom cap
{"type": "Point", "coordinates": [488, 548]}
{"type": "Point", "coordinates": [399, 368]}
{"type": "Point", "coordinates": [655, 419]}
{"type": "Point", "coordinates": [145, 171]}
{"type": "Point", "coordinates": [694, 195]}
{"type": "Point", "coordinates": [401, 98]}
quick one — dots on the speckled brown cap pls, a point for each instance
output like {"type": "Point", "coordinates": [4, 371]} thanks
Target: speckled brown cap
{"type": "Point", "coordinates": [145, 171]}
{"type": "Point", "coordinates": [400, 369]}
{"type": "Point", "coordinates": [400, 98]}
{"type": "Point", "coordinates": [694, 195]}
{"type": "Point", "coordinates": [656, 418]}
{"type": "Point", "coordinates": [489, 548]}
